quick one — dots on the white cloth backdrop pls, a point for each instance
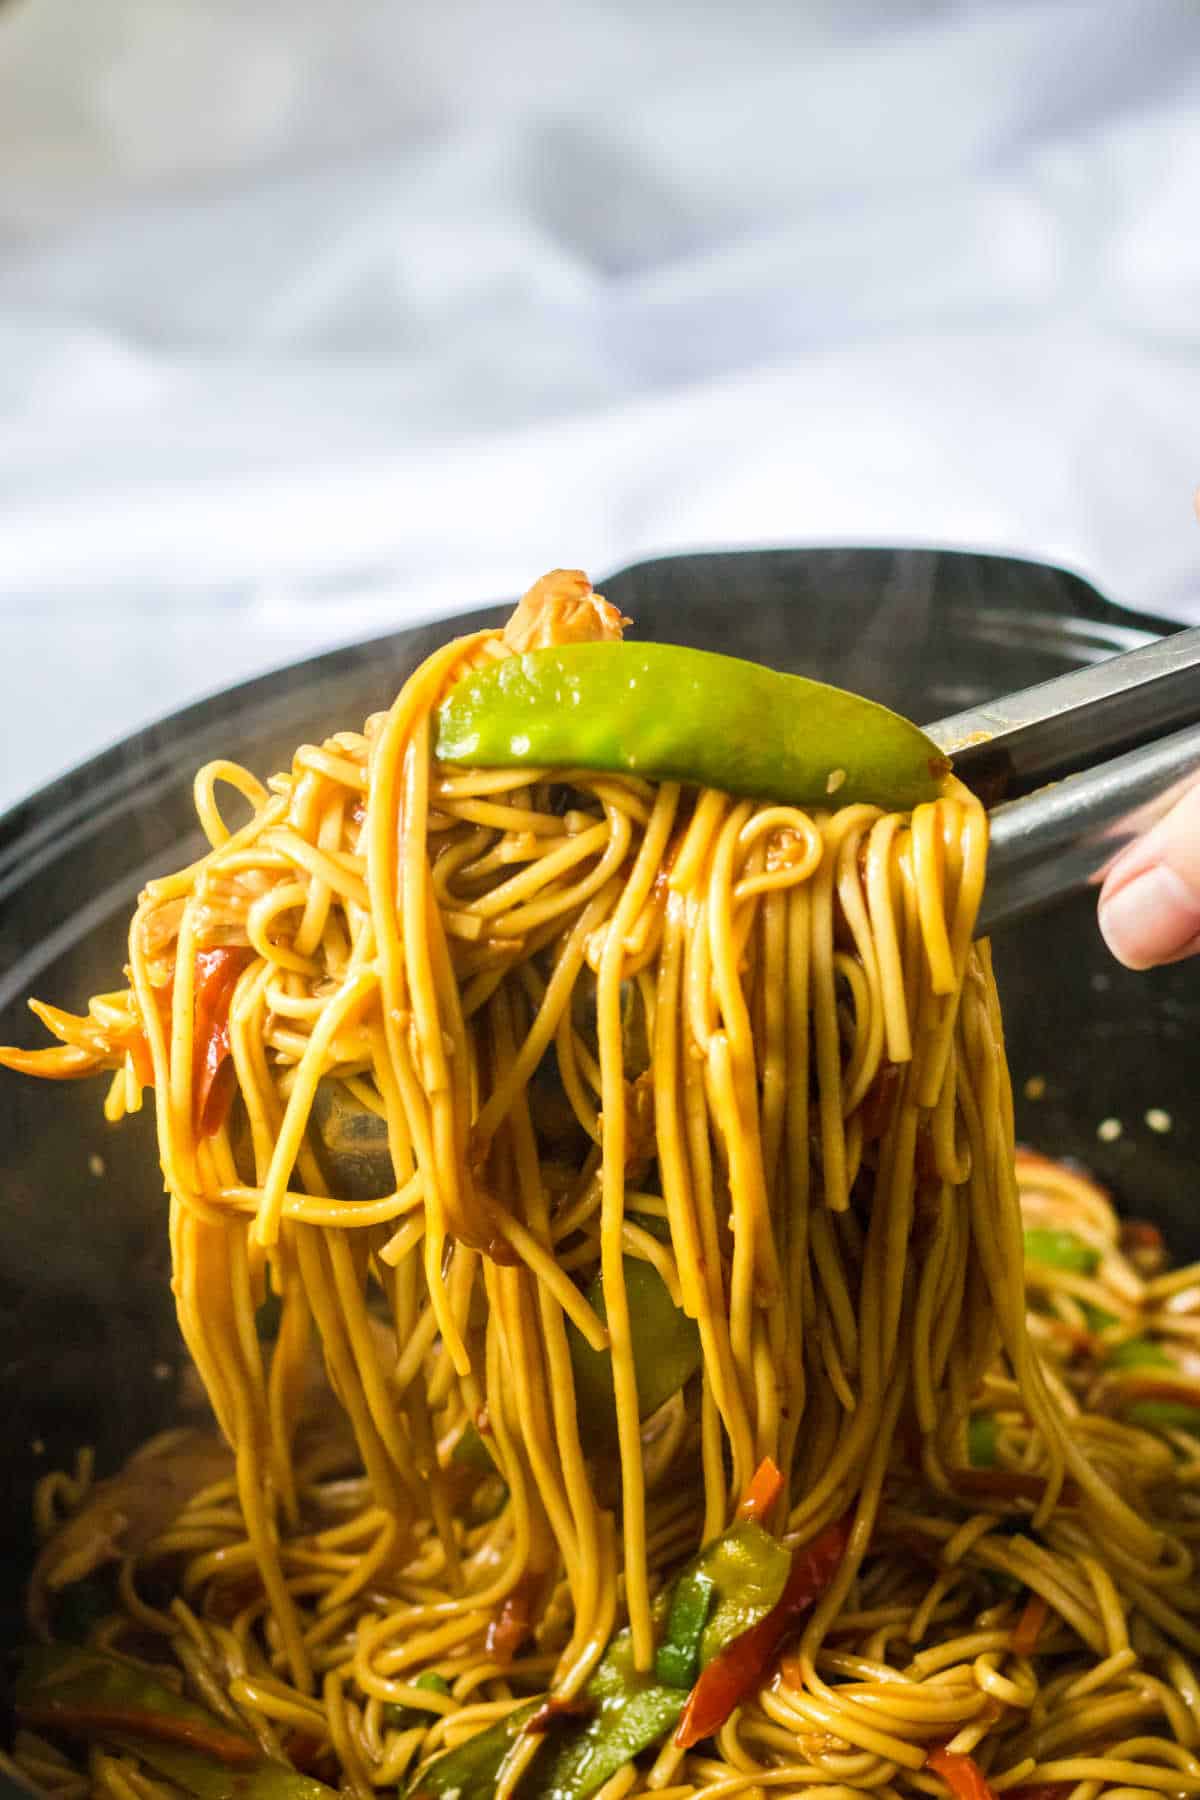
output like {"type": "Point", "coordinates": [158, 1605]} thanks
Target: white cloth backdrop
{"type": "Point", "coordinates": [317, 316]}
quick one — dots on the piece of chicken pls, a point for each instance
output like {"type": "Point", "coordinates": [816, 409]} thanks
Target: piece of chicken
{"type": "Point", "coordinates": [562, 608]}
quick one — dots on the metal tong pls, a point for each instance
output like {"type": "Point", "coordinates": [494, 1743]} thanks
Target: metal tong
{"type": "Point", "coordinates": [1074, 768]}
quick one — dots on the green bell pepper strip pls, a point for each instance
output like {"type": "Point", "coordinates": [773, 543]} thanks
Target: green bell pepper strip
{"type": "Point", "coordinates": [1096, 1317]}
{"type": "Point", "coordinates": [1060, 1250]}
{"type": "Point", "coordinates": [83, 1693]}
{"type": "Point", "coordinates": [666, 1353]}
{"type": "Point", "coordinates": [677, 1662]}
{"type": "Point", "coordinates": [671, 714]}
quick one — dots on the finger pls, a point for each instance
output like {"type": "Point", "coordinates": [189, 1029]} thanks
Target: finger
{"type": "Point", "coordinates": [1150, 901]}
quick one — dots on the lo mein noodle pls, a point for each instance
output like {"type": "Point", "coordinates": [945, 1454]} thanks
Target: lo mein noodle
{"type": "Point", "coordinates": [672, 1413]}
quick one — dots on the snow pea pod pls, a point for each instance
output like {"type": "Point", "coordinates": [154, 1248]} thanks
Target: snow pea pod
{"type": "Point", "coordinates": [1059, 1249]}
{"type": "Point", "coordinates": [668, 713]}
{"type": "Point", "coordinates": [471, 1771]}
{"type": "Point", "coordinates": [631, 1712]}
{"type": "Point", "coordinates": [62, 1689]}
{"type": "Point", "coordinates": [1165, 1415]}
{"type": "Point", "coordinates": [1153, 1392]}
{"type": "Point", "coordinates": [666, 1353]}
{"type": "Point", "coordinates": [749, 1570]}
{"type": "Point", "coordinates": [352, 1144]}
{"type": "Point", "coordinates": [403, 1718]}
{"type": "Point", "coordinates": [981, 1440]}
{"type": "Point", "coordinates": [735, 1583]}
{"type": "Point", "coordinates": [196, 1774]}
{"type": "Point", "coordinates": [1138, 1353]}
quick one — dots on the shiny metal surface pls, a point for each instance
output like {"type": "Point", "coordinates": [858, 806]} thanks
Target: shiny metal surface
{"type": "Point", "coordinates": [1076, 767]}
{"type": "Point", "coordinates": [1016, 743]}
{"type": "Point", "coordinates": [1061, 839]}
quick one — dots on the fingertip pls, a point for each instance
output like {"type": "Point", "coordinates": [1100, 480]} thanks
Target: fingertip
{"type": "Point", "coordinates": [1152, 918]}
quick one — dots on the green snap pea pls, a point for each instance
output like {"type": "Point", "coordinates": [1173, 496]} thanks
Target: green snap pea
{"type": "Point", "coordinates": [403, 1718]}
{"type": "Point", "coordinates": [666, 1353]}
{"type": "Point", "coordinates": [1164, 1415]}
{"type": "Point", "coordinates": [85, 1694]}
{"type": "Point", "coordinates": [668, 713]}
{"type": "Point", "coordinates": [208, 1780]}
{"type": "Point", "coordinates": [1060, 1250]}
{"type": "Point", "coordinates": [981, 1440]}
{"type": "Point", "coordinates": [749, 1570]}
{"type": "Point", "coordinates": [737, 1580]}
{"type": "Point", "coordinates": [631, 1712]}
{"type": "Point", "coordinates": [351, 1143]}
{"type": "Point", "coordinates": [1138, 1353]}
{"type": "Point", "coordinates": [471, 1771]}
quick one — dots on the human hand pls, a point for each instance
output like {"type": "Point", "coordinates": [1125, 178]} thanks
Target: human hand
{"type": "Point", "coordinates": [1149, 907]}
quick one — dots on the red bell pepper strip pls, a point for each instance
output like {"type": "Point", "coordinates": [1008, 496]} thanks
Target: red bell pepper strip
{"type": "Point", "coordinates": [213, 1073]}
{"type": "Point", "coordinates": [962, 1774]}
{"type": "Point", "coordinates": [740, 1667]}
{"type": "Point", "coordinates": [1029, 1626]}
{"type": "Point", "coordinates": [139, 1044]}
{"type": "Point", "coordinates": [766, 1485]}
{"type": "Point", "coordinates": [143, 1065]}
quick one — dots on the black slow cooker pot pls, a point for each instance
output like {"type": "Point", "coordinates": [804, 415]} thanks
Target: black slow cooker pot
{"type": "Point", "coordinates": [89, 1351]}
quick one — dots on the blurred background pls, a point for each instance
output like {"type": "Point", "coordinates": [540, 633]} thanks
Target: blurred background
{"type": "Point", "coordinates": [324, 316]}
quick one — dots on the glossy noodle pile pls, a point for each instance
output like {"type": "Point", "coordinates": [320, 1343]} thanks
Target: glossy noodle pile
{"type": "Point", "coordinates": [677, 1092]}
